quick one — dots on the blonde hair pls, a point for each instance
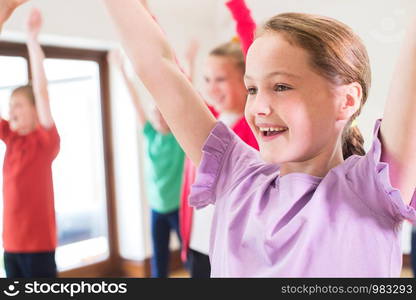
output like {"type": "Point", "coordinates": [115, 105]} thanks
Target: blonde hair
{"type": "Point", "coordinates": [336, 53]}
{"type": "Point", "coordinates": [27, 90]}
{"type": "Point", "coordinates": [232, 50]}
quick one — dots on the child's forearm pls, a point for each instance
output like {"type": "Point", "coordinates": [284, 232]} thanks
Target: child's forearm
{"type": "Point", "coordinates": [141, 115]}
{"type": "Point", "coordinates": [39, 82]}
{"type": "Point", "coordinates": [154, 62]}
{"type": "Point", "coordinates": [245, 24]}
{"type": "Point", "coordinates": [190, 58]}
{"type": "Point", "coordinates": [398, 129]}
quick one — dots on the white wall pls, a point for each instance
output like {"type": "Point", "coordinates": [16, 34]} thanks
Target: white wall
{"type": "Point", "coordinates": [80, 22]}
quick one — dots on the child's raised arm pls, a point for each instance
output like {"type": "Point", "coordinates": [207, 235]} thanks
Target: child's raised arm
{"type": "Point", "coordinates": [115, 58]}
{"type": "Point", "coordinates": [398, 128]}
{"type": "Point", "coordinates": [39, 81]}
{"type": "Point", "coordinates": [190, 57]}
{"type": "Point", "coordinates": [6, 9]}
{"type": "Point", "coordinates": [154, 62]}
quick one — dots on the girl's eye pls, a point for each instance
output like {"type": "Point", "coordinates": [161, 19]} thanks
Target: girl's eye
{"type": "Point", "coordinates": [281, 88]}
{"type": "Point", "coordinates": [252, 91]}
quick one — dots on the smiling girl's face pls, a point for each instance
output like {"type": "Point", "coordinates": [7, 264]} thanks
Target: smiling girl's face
{"type": "Point", "coordinates": [224, 84]}
{"type": "Point", "coordinates": [292, 110]}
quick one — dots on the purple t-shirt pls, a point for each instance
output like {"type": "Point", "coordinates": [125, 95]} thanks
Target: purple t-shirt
{"type": "Point", "coordinates": [346, 224]}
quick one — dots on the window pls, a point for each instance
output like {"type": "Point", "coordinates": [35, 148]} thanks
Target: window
{"type": "Point", "coordinates": [81, 172]}
{"type": "Point", "coordinates": [79, 181]}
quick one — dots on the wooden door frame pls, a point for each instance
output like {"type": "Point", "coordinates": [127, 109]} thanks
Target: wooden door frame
{"type": "Point", "coordinates": [111, 265]}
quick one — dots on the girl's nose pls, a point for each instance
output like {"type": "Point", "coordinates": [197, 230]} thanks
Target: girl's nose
{"type": "Point", "coordinates": [262, 105]}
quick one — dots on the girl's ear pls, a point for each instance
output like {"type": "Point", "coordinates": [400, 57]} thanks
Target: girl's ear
{"type": "Point", "coordinates": [351, 95]}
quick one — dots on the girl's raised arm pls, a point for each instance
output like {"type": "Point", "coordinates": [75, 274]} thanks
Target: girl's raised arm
{"type": "Point", "coordinates": [40, 83]}
{"type": "Point", "coordinates": [398, 128]}
{"type": "Point", "coordinates": [154, 62]}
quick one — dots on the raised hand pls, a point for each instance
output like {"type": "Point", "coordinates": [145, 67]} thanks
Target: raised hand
{"type": "Point", "coordinates": [39, 80]}
{"type": "Point", "coordinates": [34, 23]}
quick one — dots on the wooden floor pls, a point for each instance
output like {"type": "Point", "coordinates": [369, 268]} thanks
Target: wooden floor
{"type": "Point", "coordinates": [182, 273]}
{"type": "Point", "coordinates": [407, 273]}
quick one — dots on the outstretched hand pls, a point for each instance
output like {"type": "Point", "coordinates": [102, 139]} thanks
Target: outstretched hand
{"type": "Point", "coordinates": [7, 7]}
{"type": "Point", "coordinates": [34, 23]}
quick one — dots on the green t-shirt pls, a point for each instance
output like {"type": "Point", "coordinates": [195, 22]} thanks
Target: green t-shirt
{"type": "Point", "coordinates": [164, 170]}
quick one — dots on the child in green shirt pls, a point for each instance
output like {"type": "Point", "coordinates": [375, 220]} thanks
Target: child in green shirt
{"type": "Point", "coordinates": [163, 170]}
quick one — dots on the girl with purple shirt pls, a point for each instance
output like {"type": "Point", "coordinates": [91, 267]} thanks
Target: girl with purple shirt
{"type": "Point", "coordinates": [307, 205]}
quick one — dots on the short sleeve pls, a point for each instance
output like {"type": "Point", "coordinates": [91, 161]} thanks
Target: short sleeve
{"type": "Point", "coordinates": [4, 130]}
{"type": "Point", "coordinates": [226, 159]}
{"type": "Point", "coordinates": [50, 139]}
{"type": "Point", "coordinates": [148, 131]}
{"type": "Point", "coordinates": [371, 181]}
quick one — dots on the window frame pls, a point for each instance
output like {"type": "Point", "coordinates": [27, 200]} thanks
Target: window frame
{"type": "Point", "coordinates": [110, 265]}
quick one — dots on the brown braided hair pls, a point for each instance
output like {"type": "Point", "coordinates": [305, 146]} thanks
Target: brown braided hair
{"type": "Point", "coordinates": [352, 142]}
{"type": "Point", "coordinates": [336, 53]}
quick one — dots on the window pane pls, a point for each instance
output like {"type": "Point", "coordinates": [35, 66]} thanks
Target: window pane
{"type": "Point", "coordinates": [13, 74]}
{"type": "Point", "coordinates": [78, 171]}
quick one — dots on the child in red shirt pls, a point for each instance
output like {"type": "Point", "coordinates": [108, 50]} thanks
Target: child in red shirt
{"type": "Point", "coordinates": [32, 141]}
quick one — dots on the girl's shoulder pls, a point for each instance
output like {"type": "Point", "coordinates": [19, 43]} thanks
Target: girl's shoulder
{"type": "Point", "coordinates": [227, 162]}
{"type": "Point", "coordinates": [369, 178]}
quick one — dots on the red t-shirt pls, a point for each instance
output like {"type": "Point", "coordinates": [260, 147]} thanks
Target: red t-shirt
{"type": "Point", "coordinates": [28, 211]}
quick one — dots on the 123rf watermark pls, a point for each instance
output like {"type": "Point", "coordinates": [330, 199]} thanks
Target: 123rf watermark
{"type": "Point", "coordinates": [371, 289]}
{"type": "Point", "coordinates": [60, 288]}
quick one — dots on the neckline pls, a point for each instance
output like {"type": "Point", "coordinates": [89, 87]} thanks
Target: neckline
{"type": "Point", "coordinates": [304, 176]}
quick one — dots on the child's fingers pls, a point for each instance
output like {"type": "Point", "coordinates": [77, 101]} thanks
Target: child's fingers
{"type": "Point", "coordinates": [35, 21]}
